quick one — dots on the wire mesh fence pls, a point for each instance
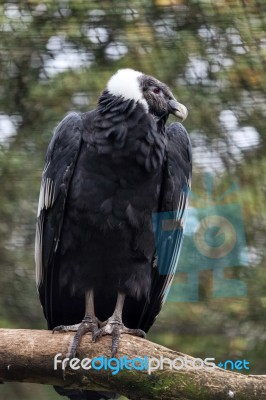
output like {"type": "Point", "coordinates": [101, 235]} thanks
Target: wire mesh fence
{"type": "Point", "coordinates": [56, 56]}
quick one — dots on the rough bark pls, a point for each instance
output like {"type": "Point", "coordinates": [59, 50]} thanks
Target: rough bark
{"type": "Point", "coordinates": [28, 356]}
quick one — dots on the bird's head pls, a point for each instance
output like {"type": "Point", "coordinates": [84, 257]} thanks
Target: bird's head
{"type": "Point", "coordinates": [155, 96]}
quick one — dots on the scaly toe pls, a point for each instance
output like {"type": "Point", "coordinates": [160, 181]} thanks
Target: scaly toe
{"type": "Point", "coordinates": [66, 328]}
{"type": "Point", "coordinates": [135, 332]}
{"type": "Point", "coordinates": [89, 324]}
{"type": "Point", "coordinates": [115, 328]}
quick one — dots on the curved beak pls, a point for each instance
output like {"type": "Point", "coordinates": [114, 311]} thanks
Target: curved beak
{"type": "Point", "coordinates": [178, 109]}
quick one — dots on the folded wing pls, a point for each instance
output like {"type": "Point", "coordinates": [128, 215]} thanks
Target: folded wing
{"type": "Point", "coordinates": [59, 166]}
{"type": "Point", "coordinates": [169, 221]}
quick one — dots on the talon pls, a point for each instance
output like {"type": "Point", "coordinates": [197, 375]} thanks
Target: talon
{"type": "Point", "coordinates": [88, 324]}
{"type": "Point", "coordinates": [115, 328]}
{"type": "Point", "coordinates": [97, 335]}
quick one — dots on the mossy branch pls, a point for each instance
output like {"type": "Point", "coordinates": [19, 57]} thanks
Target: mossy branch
{"type": "Point", "coordinates": [28, 356]}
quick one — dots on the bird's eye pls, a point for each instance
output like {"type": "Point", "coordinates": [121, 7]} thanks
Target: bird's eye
{"type": "Point", "coordinates": [156, 90]}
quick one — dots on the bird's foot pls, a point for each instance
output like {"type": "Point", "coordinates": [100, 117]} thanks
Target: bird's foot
{"type": "Point", "coordinates": [115, 328]}
{"type": "Point", "coordinates": [88, 324]}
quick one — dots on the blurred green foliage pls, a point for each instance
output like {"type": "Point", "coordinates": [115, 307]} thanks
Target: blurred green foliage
{"type": "Point", "coordinates": [56, 56]}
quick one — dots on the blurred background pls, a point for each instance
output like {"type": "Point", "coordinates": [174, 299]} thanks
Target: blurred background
{"type": "Point", "coordinates": [56, 56]}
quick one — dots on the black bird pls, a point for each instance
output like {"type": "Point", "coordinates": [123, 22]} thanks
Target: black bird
{"type": "Point", "coordinates": [109, 175]}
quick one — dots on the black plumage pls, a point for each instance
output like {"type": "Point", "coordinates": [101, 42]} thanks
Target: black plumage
{"type": "Point", "coordinates": [108, 172]}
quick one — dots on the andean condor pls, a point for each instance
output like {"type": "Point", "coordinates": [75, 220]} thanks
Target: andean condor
{"type": "Point", "coordinates": [108, 173]}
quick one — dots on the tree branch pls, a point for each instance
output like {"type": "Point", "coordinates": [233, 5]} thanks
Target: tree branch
{"type": "Point", "coordinates": [28, 356]}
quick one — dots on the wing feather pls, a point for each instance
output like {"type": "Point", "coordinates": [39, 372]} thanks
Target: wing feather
{"type": "Point", "coordinates": [56, 177]}
{"type": "Point", "coordinates": [169, 221]}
